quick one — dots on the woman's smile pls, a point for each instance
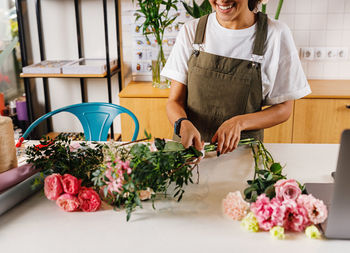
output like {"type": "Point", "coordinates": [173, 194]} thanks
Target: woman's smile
{"type": "Point", "coordinates": [225, 7]}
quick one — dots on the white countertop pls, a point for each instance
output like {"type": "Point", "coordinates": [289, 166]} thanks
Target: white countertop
{"type": "Point", "coordinates": [196, 224]}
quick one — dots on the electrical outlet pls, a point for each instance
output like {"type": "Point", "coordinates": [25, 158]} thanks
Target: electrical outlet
{"type": "Point", "coordinates": [307, 53]}
{"type": "Point", "coordinates": [319, 53]}
{"type": "Point", "coordinates": [343, 53]}
{"type": "Point", "coordinates": [332, 53]}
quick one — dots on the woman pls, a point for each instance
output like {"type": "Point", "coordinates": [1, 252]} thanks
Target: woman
{"type": "Point", "coordinates": [224, 67]}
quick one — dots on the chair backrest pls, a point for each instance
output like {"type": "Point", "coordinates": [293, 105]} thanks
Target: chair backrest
{"type": "Point", "coordinates": [96, 119]}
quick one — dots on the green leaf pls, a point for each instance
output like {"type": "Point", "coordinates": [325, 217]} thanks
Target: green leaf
{"type": "Point", "coordinates": [159, 143]}
{"type": "Point", "coordinates": [276, 168]}
{"type": "Point", "coordinates": [173, 146]}
{"type": "Point", "coordinates": [196, 10]}
{"type": "Point", "coordinates": [270, 191]}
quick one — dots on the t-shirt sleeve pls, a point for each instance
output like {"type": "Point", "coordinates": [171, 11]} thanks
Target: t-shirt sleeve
{"type": "Point", "coordinates": [176, 66]}
{"type": "Point", "coordinates": [289, 82]}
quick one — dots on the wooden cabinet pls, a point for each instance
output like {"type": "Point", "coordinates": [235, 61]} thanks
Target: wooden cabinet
{"type": "Point", "coordinates": [318, 118]}
{"type": "Point", "coordinates": [282, 133]}
{"type": "Point", "coordinates": [149, 106]}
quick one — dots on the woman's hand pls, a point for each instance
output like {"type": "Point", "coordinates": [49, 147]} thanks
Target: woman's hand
{"type": "Point", "coordinates": [190, 136]}
{"type": "Point", "coordinates": [228, 135]}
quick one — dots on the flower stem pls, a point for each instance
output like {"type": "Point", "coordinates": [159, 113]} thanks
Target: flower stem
{"type": "Point", "coordinates": [263, 8]}
{"type": "Point", "coordinates": [278, 11]}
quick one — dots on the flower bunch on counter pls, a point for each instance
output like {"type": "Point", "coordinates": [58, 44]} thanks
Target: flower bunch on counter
{"type": "Point", "coordinates": [276, 204]}
{"type": "Point", "coordinates": [122, 174]}
{"type": "Point", "coordinates": [66, 190]}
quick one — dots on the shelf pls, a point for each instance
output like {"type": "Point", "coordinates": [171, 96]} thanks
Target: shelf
{"type": "Point", "coordinates": [329, 89]}
{"type": "Point", "coordinates": [143, 90]}
{"type": "Point", "coordinates": [113, 72]}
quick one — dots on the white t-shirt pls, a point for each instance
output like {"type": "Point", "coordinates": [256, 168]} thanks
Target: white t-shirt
{"type": "Point", "coordinates": [282, 75]}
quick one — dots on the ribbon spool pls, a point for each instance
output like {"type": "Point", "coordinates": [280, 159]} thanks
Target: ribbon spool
{"type": "Point", "coordinates": [8, 158]}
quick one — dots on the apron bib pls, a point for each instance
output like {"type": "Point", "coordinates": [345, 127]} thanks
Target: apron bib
{"type": "Point", "coordinates": [219, 88]}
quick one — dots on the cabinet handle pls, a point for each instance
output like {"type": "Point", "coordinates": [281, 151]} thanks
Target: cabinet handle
{"type": "Point", "coordinates": [347, 106]}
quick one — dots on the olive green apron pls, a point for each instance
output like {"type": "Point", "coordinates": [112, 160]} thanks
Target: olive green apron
{"type": "Point", "coordinates": [219, 88]}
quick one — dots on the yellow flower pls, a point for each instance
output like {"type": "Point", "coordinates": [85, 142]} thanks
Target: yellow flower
{"type": "Point", "coordinates": [312, 232]}
{"type": "Point", "coordinates": [250, 223]}
{"type": "Point", "coordinates": [277, 232]}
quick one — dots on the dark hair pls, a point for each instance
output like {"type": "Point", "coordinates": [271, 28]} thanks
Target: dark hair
{"type": "Point", "coordinates": [252, 4]}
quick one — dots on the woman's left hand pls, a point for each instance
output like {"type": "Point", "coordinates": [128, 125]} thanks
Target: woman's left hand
{"type": "Point", "coordinates": [228, 136]}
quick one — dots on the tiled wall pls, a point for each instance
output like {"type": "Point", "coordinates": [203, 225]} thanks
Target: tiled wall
{"type": "Point", "coordinates": [314, 23]}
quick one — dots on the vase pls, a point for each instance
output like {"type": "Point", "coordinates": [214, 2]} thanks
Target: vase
{"type": "Point", "coordinates": [158, 63]}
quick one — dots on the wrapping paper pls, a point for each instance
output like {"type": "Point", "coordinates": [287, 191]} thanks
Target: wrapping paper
{"type": "Point", "coordinates": [8, 159]}
{"type": "Point", "coordinates": [15, 176]}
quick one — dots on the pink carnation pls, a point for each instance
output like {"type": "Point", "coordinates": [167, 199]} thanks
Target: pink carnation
{"type": "Point", "coordinates": [287, 189]}
{"type": "Point", "coordinates": [296, 217]}
{"type": "Point", "coordinates": [234, 206]}
{"type": "Point", "coordinates": [68, 203]}
{"type": "Point", "coordinates": [53, 186]}
{"type": "Point", "coordinates": [316, 209]}
{"type": "Point", "coordinates": [268, 213]}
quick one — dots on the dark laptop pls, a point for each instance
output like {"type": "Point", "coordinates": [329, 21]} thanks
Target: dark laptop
{"type": "Point", "coordinates": [336, 195]}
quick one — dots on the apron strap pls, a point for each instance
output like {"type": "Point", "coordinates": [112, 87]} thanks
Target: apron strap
{"type": "Point", "coordinates": [261, 34]}
{"type": "Point", "coordinates": [200, 32]}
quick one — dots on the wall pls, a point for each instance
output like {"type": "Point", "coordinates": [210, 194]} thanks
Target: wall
{"type": "Point", "coordinates": [314, 23]}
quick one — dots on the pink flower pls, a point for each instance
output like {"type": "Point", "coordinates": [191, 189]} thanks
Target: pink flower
{"type": "Point", "coordinates": [68, 203]}
{"type": "Point", "coordinates": [268, 213]}
{"type": "Point", "coordinates": [296, 217]}
{"type": "Point", "coordinates": [71, 184]}
{"type": "Point", "coordinates": [234, 206]}
{"type": "Point", "coordinates": [74, 146]}
{"type": "Point", "coordinates": [53, 186]}
{"type": "Point", "coordinates": [287, 189]}
{"type": "Point", "coordinates": [89, 200]}
{"type": "Point", "coordinates": [316, 209]}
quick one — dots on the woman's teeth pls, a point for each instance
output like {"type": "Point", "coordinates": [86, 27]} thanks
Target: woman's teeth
{"type": "Point", "coordinates": [225, 7]}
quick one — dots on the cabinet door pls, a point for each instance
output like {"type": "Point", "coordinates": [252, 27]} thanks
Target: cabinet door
{"type": "Point", "coordinates": [320, 120]}
{"type": "Point", "coordinates": [281, 133]}
{"type": "Point", "coordinates": [152, 117]}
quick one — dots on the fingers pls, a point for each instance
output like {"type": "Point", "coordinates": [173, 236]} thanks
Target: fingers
{"type": "Point", "coordinates": [215, 138]}
{"type": "Point", "coordinates": [197, 143]}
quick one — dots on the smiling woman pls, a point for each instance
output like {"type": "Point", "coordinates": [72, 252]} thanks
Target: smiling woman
{"type": "Point", "coordinates": [224, 67]}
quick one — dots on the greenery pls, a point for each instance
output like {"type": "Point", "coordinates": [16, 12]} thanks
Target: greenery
{"type": "Point", "coordinates": [278, 11]}
{"type": "Point", "coordinates": [156, 19]}
{"type": "Point", "coordinates": [196, 10]}
{"type": "Point", "coordinates": [266, 173]}
{"type": "Point", "coordinates": [60, 156]}
{"type": "Point", "coordinates": [152, 167]}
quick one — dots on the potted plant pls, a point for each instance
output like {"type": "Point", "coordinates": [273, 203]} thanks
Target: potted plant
{"type": "Point", "coordinates": [156, 19]}
{"type": "Point", "coordinates": [196, 10]}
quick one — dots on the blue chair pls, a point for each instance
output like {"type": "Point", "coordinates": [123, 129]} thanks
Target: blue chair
{"type": "Point", "coordinates": [95, 117]}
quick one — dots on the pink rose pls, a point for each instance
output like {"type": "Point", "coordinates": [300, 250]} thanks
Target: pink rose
{"type": "Point", "coordinates": [68, 203]}
{"type": "Point", "coordinates": [287, 189]}
{"type": "Point", "coordinates": [268, 213]}
{"type": "Point", "coordinates": [234, 206]}
{"type": "Point", "coordinates": [71, 184]}
{"type": "Point", "coordinates": [296, 217]}
{"type": "Point", "coordinates": [53, 186]}
{"type": "Point", "coordinates": [89, 200]}
{"type": "Point", "coordinates": [316, 209]}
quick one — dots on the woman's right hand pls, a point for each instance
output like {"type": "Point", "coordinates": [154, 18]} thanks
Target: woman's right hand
{"type": "Point", "coordinates": [190, 136]}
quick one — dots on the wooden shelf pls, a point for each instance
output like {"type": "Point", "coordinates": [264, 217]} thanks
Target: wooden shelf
{"type": "Point", "coordinates": [143, 90]}
{"type": "Point", "coordinates": [113, 71]}
{"type": "Point", "coordinates": [329, 89]}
